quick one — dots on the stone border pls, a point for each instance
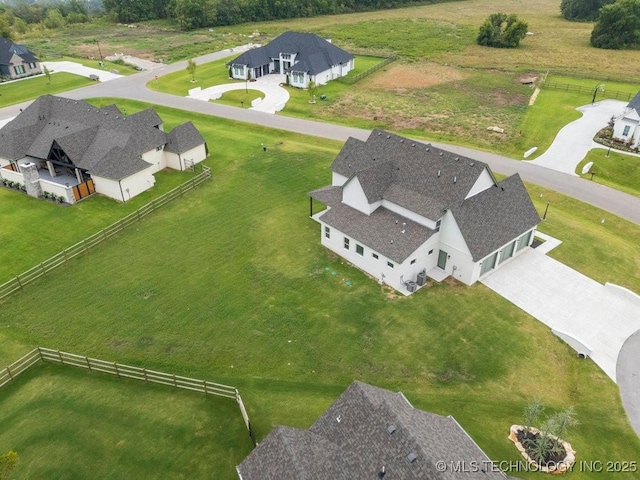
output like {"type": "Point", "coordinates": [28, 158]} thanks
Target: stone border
{"type": "Point", "coordinates": [556, 469]}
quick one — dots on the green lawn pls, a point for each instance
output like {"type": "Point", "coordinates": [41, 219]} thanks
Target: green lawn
{"type": "Point", "coordinates": [30, 88]}
{"type": "Point", "coordinates": [69, 423]}
{"type": "Point", "coordinates": [239, 98]}
{"type": "Point", "coordinates": [231, 283]}
{"type": "Point", "coordinates": [614, 169]}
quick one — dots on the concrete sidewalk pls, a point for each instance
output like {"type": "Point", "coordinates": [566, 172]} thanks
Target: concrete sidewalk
{"type": "Point", "coordinates": [574, 140]}
{"type": "Point", "coordinates": [591, 317]}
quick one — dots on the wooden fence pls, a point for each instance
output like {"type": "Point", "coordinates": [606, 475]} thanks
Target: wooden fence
{"type": "Point", "coordinates": [42, 354]}
{"type": "Point", "coordinates": [84, 246]}
{"type": "Point", "coordinates": [567, 87]}
{"type": "Point", "coordinates": [369, 71]}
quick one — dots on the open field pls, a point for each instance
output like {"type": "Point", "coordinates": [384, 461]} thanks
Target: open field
{"type": "Point", "coordinates": [231, 284]}
{"type": "Point", "coordinates": [58, 418]}
{"type": "Point", "coordinates": [30, 88]}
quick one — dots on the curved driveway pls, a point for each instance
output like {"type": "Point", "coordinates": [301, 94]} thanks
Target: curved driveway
{"type": "Point", "coordinates": [628, 378]}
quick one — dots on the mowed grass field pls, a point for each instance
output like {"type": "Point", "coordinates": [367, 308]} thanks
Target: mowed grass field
{"type": "Point", "coordinates": [69, 423]}
{"type": "Point", "coordinates": [28, 89]}
{"type": "Point", "coordinates": [231, 284]}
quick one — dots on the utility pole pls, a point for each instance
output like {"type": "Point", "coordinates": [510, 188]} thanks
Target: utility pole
{"type": "Point", "coordinates": [100, 53]}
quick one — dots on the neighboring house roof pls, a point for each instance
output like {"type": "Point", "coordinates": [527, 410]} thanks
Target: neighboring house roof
{"type": "Point", "coordinates": [635, 103]}
{"type": "Point", "coordinates": [427, 181]}
{"type": "Point", "coordinates": [365, 429]}
{"type": "Point", "coordinates": [183, 138]}
{"type": "Point", "coordinates": [102, 141]}
{"type": "Point", "coordinates": [313, 53]}
{"type": "Point", "coordinates": [8, 49]}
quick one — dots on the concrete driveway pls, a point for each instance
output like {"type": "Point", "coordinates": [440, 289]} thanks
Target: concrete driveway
{"type": "Point", "coordinates": [78, 69]}
{"type": "Point", "coordinates": [629, 379]}
{"type": "Point", "coordinates": [576, 139]}
{"type": "Point", "coordinates": [593, 318]}
{"type": "Point", "coordinates": [275, 96]}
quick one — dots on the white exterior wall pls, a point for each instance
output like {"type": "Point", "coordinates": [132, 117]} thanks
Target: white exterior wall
{"type": "Point", "coordinates": [394, 207]}
{"type": "Point", "coordinates": [239, 76]}
{"type": "Point", "coordinates": [136, 183]}
{"type": "Point", "coordinates": [302, 84]}
{"type": "Point", "coordinates": [11, 175]}
{"type": "Point", "coordinates": [322, 77]}
{"type": "Point", "coordinates": [460, 264]}
{"type": "Point", "coordinates": [353, 195]}
{"type": "Point", "coordinates": [483, 182]}
{"type": "Point", "coordinates": [378, 268]}
{"type": "Point", "coordinates": [156, 158]}
{"type": "Point", "coordinates": [337, 179]}
{"type": "Point", "coordinates": [177, 162]}
{"type": "Point", "coordinates": [57, 189]}
{"type": "Point", "coordinates": [631, 119]}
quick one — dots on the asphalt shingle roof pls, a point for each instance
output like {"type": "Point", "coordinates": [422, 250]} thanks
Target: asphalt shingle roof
{"type": "Point", "coordinates": [314, 54]}
{"type": "Point", "coordinates": [183, 138]}
{"type": "Point", "coordinates": [428, 181]}
{"type": "Point", "coordinates": [635, 103]}
{"type": "Point", "coordinates": [100, 140]}
{"type": "Point", "coordinates": [365, 429]}
{"type": "Point", "coordinates": [8, 49]}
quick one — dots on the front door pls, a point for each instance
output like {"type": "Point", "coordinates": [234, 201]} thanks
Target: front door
{"type": "Point", "coordinates": [442, 259]}
{"type": "Point", "coordinates": [276, 66]}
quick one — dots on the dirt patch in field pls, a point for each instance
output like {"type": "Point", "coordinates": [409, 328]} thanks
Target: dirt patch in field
{"type": "Point", "coordinates": [409, 76]}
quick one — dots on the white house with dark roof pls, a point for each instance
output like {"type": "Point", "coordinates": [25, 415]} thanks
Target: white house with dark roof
{"type": "Point", "coordinates": [17, 61]}
{"type": "Point", "coordinates": [626, 126]}
{"type": "Point", "coordinates": [402, 210]}
{"type": "Point", "coordinates": [370, 433]}
{"type": "Point", "coordinates": [71, 149]}
{"type": "Point", "coordinates": [304, 57]}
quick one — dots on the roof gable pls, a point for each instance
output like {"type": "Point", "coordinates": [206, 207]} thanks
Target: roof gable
{"type": "Point", "coordinates": [183, 138]}
{"type": "Point", "coordinates": [8, 49]}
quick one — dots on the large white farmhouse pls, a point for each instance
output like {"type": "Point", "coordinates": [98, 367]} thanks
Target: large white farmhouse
{"type": "Point", "coordinates": [399, 210]}
{"type": "Point", "coordinates": [304, 57]}
{"type": "Point", "coordinates": [71, 149]}
{"type": "Point", "coordinates": [626, 126]}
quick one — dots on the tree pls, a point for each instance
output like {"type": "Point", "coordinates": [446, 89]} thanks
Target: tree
{"type": "Point", "coordinates": [5, 30]}
{"type": "Point", "coordinates": [54, 19]}
{"type": "Point", "coordinates": [19, 25]}
{"type": "Point", "coordinates": [47, 74]}
{"type": "Point", "coordinates": [502, 31]}
{"type": "Point", "coordinates": [191, 68]}
{"type": "Point", "coordinates": [618, 25]}
{"type": "Point", "coordinates": [7, 464]}
{"type": "Point", "coordinates": [582, 10]}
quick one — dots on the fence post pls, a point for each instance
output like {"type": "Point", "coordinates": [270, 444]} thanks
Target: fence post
{"type": "Point", "coordinates": [40, 352]}
{"type": "Point", "coordinates": [19, 282]}
{"type": "Point", "coordinates": [60, 357]}
{"type": "Point", "coordinates": [116, 367]}
{"type": "Point", "coordinates": [86, 248]}
{"type": "Point", "coordinates": [144, 370]}
{"type": "Point", "coordinates": [88, 363]}
{"type": "Point", "coordinates": [9, 372]}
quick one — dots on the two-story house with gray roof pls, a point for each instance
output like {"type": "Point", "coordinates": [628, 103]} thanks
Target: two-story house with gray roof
{"type": "Point", "coordinates": [370, 433]}
{"type": "Point", "coordinates": [71, 149]}
{"type": "Point", "coordinates": [304, 57]}
{"type": "Point", "coordinates": [17, 61]}
{"type": "Point", "coordinates": [626, 126]}
{"type": "Point", "coordinates": [402, 210]}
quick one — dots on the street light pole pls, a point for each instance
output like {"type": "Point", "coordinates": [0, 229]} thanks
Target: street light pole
{"type": "Point", "coordinates": [544, 217]}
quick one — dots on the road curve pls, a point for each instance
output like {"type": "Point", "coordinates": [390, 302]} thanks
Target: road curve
{"type": "Point", "coordinates": [134, 87]}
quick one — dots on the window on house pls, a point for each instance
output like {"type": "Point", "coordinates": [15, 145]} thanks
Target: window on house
{"type": "Point", "coordinates": [438, 225]}
{"type": "Point", "coordinates": [359, 249]}
{"type": "Point", "coordinates": [346, 243]}
{"type": "Point", "coordinates": [327, 232]}
{"type": "Point", "coordinates": [159, 147]}
{"type": "Point", "coordinates": [238, 70]}
{"type": "Point", "coordinates": [625, 132]}
{"type": "Point", "coordinates": [390, 264]}
{"type": "Point", "coordinates": [298, 77]}
{"type": "Point", "coordinates": [375, 255]}
{"type": "Point", "coordinates": [286, 56]}
{"type": "Point", "coordinates": [413, 261]}
{"type": "Point", "coordinates": [19, 69]}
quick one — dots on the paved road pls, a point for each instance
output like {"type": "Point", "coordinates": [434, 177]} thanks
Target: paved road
{"type": "Point", "coordinates": [133, 87]}
{"type": "Point", "coordinates": [628, 378]}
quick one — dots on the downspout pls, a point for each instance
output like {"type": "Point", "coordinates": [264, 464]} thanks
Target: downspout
{"type": "Point", "coordinates": [121, 192]}
{"type": "Point", "coordinates": [180, 162]}
{"type": "Point", "coordinates": [310, 206]}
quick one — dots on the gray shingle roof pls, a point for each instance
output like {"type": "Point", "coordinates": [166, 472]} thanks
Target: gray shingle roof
{"type": "Point", "coordinates": [8, 49]}
{"type": "Point", "coordinates": [376, 428]}
{"type": "Point", "coordinates": [428, 181]}
{"type": "Point", "coordinates": [183, 138]}
{"type": "Point", "coordinates": [314, 54]}
{"type": "Point", "coordinates": [100, 140]}
{"type": "Point", "coordinates": [635, 103]}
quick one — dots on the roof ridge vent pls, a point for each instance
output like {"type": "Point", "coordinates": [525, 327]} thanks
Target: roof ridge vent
{"type": "Point", "coordinates": [412, 457]}
{"type": "Point", "coordinates": [457, 158]}
{"type": "Point", "coordinates": [455, 179]}
{"type": "Point", "coordinates": [438, 173]}
{"type": "Point", "coordinates": [391, 429]}
{"type": "Point", "coordinates": [413, 144]}
{"type": "Point", "coordinates": [441, 153]}
{"type": "Point", "coordinates": [388, 136]}
{"type": "Point", "coordinates": [427, 149]}
{"type": "Point", "coordinates": [402, 140]}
